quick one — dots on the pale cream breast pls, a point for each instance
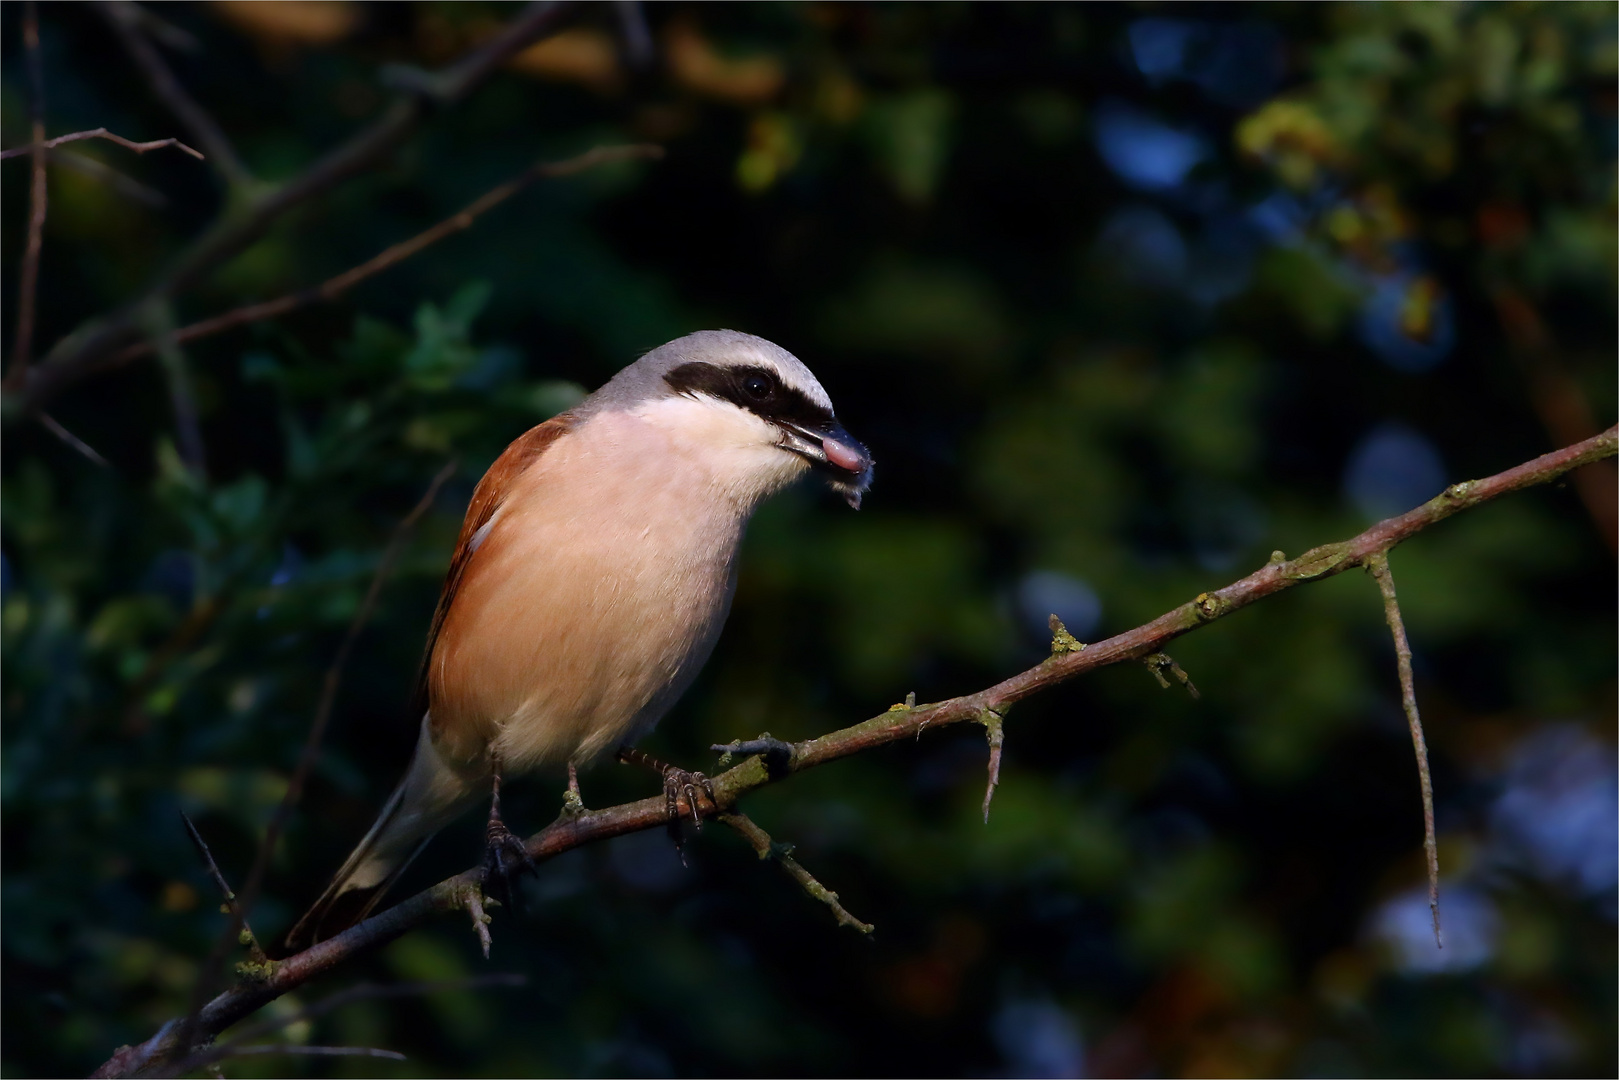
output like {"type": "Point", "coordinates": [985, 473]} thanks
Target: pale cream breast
{"type": "Point", "coordinates": [599, 588]}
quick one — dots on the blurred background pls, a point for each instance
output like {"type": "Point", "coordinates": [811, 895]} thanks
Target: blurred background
{"type": "Point", "coordinates": [1122, 297]}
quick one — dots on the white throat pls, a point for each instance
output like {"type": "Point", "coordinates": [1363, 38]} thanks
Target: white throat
{"type": "Point", "coordinates": [734, 451]}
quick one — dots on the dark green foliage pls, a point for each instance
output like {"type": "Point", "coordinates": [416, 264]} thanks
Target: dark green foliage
{"type": "Point", "coordinates": [1122, 299]}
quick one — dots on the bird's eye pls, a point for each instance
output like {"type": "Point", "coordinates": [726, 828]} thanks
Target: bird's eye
{"type": "Point", "coordinates": [757, 387]}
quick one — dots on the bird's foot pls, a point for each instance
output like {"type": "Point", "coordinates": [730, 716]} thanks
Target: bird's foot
{"type": "Point", "coordinates": [680, 785]}
{"type": "Point", "coordinates": [505, 858]}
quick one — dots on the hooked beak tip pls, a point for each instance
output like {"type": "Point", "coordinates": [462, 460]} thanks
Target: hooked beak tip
{"type": "Point", "coordinates": [846, 457]}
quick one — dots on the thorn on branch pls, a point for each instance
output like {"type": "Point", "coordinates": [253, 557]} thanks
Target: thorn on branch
{"type": "Point", "coordinates": [474, 900]}
{"type": "Point", "coordinates": [995, 732]}
{"type": "Point", "coordinates": [1158, 663]}
{"type": "Point", "coordinates": [255, 952]}
{"type": "Point", "coordinates": [766, 848]}
{"type": "Point", "coordinates": [1377, 564]}
{"type": "Point", "coordinates": [776, 754]}
{"type": "Point", "coordinates": [1061, 640]}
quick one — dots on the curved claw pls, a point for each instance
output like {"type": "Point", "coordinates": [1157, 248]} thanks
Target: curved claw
{"type": "Point", "coordinates": [678, 784]}
{"type": "Point", "coordinates": [506, 858]}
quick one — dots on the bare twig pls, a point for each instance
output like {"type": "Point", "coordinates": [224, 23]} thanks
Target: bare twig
{"type": "Point", "coordinates": [80, 352]}
{"type": "Point", "coordinates": [767, 848]}
{"type": "Point", "coordinates": [308, 1051]}
{"type": "Point", "coordinates": [398, 253]}
{"type": "Point", "coordinates": [311, 749]}
{"type": "Point", "coordinates": [576, 830]}
{"type": "Point", "coordinates": [1377, 564]}
{"type": "Point", "coordinates": [123, 17]}
{"type": "Point", "coordinates": [48, 422]}
{"type": "Point", "coordinates": [229, 895]}
{"type": "Point", "coordinates": [28, 276]}
{"type": "Point", "coordinates": [103, 133]}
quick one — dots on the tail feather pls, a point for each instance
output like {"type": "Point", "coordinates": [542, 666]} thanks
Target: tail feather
{"type": "Point", "coordinates": [430, 795]}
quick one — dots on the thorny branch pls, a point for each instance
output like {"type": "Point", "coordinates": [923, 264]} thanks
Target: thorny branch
{"type": "Point", "coordinates": [782, 854]}
{"type": "Point", "coordinates": [1378, 566]}
{"type": "Point", "coordinates": [254, 950]}
{"type": "Point", "coordinates": [902, 722]}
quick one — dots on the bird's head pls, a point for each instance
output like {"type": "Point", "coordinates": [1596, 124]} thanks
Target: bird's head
{"type": "Point", "coordinates": [748, 407]}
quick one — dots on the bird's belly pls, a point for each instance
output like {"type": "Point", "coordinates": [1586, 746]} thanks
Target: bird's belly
{"type": "Point", "coordinates": [589, 609]}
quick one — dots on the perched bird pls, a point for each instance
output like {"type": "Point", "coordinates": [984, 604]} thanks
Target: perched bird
{"type": "Point", "coordinates": [594, 570]}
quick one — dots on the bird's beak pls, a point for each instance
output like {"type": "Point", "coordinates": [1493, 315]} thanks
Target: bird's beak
{"type": "Point", "coordinates": [833, 452]}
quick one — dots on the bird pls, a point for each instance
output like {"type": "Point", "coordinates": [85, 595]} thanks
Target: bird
{"type": "Point", "coordinates": [591, 578]}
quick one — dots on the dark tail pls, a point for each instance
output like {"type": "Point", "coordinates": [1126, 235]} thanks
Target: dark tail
{"type": "Point", "coordinates": [429, 796]}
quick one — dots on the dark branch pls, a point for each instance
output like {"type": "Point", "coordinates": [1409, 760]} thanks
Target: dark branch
{"type": "Point", "coordinates": [103, 133]}
{"type": "Point", "coordinates": [362, 992]}
{"type": "Point", "coordinates": [295, 1050]}
{"type": "Point", "coordinates": [48, 422]}
{"type": "Point", "coordinates": [78, 354]}
{"type": "Point", "coordinates": [28, 274]}
{"type": "Point", "coordinates": [334, 287]}
{"type": "Point", "coordinates": [124, 18]}
{"type": "Point", "coordinates": [311, 750]}
{"type": "Point", "coordinates": [895, 725]}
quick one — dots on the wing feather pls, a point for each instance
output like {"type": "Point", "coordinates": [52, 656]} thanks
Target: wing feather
{"type": "Point", "coordinates": [487, 498]}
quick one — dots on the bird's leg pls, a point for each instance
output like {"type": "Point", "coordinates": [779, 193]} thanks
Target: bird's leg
{"type": "Point", "coordinates": [678, 784]}
{"type": "Point", "coordinates": [573, 803]}
{"type": "Point", "coordinates": [505, 855]}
